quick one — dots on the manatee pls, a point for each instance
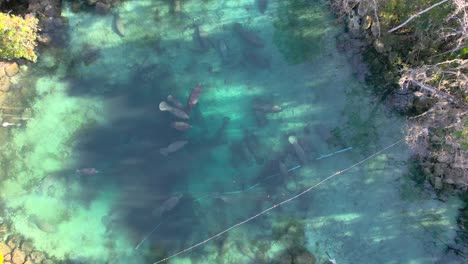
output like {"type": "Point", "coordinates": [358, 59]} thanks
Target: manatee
{"type": "Point", "coordinates": [118, 25]}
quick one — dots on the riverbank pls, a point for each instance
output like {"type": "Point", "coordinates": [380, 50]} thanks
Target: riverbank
{"type": "Point", "coordinates": [425, 79]}
{"type": "Point", "coordinates": [18, 94]}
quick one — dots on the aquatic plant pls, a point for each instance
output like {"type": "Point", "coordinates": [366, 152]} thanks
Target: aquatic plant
{"type": "Point", "coordinates": [18, 37]}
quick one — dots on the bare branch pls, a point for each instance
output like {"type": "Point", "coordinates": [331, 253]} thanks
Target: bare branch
{"type": "Point", "coordinates": [449, 51]}
{"type": "Point", "coordinates": [416, 15]}
{"type": "Point", "coordinates": [458, 61]}
{"type": "Point", "coordinates": [435, 91]}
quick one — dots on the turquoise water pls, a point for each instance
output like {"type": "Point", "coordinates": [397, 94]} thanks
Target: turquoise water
{"type": "Point", "coordinates": [96, 106]}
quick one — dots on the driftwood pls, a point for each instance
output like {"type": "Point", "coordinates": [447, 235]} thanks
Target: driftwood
{"type": "Point", "coordinates": [436, 92]}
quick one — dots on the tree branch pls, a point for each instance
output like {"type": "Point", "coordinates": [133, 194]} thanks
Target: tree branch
{"type": "Point", "coordinates": [435, 91]}
{"type": "Point", "coordinates": [416, 15]}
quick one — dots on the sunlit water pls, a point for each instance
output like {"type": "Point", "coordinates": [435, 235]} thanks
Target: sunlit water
{"type": "Point", "coordinates": [97, 107]}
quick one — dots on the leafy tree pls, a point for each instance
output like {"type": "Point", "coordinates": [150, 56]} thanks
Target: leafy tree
{"type": "Point", "coordinates": [18, 37]}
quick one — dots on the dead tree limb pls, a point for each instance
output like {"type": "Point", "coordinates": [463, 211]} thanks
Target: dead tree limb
{"type": "Point", "coordinates": [416, 15]}
{"type": "Point", "coordinates": [435, 91]}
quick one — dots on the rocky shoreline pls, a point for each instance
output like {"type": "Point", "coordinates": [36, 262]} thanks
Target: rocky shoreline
{"type": "Point", "coordinates": [19, 251]}
{"type": "Point", "coordinates": [8, 71]}
{"type": "Point", "coordinates": [442, 156]}
{"type": "Point", "coordinates": [14, 111]}
{"type": "Point", "coordinates": [433, 120]}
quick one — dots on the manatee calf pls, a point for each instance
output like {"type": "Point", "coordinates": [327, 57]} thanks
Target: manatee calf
{"type": "Point", "coordinates": [118, 25]}
{"type": "Point", "coordinates": [163, 106]}
{"type": "Point", "coordinates": [193, 98]}
{"type": "Point", "coordinates": [181, 126]}
{"type": "Point", "coordinates": [298, 149]}
{"type": "Point", "coordinates": [175, 102]}
{"type": "Point", "coordinates": [168, 205]}
{"type": "Point", "coordinates": [173, 147]}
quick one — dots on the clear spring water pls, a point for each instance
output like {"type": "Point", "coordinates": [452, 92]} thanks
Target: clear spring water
{"type": "Point", "coordinates": [96, 106]}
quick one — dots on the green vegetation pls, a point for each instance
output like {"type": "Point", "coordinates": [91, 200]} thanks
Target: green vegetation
{"type": "Point", "coordinates": [418, 41]}
{"type": "Point", "coordinates": [18, 37]}
{"type": "Point", "coordinates": [433, 45]}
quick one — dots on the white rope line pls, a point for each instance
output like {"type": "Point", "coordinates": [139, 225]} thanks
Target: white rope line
{"type": "Point", "coordinates": [276, 205]}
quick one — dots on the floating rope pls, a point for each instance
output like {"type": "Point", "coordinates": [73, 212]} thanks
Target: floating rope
{"type": "Point", "coordinates": [146, 237]}
{"type": "Point", "coordinates": [245, 190]}
{"type": "Point", "coordinates": [331, 154]}
{"type": "Point", "coordinates": [278, 204]}
{"type": "Point", "coordinates": [271, 176]}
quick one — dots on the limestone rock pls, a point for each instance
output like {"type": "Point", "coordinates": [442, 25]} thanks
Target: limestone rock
{"type": "Point", "coordinates": [7, 257]}
{"type": "Point", "coordinates": [13, 241]}
{"type": "Point", "coordinates": [354, 25]}
{"type": "Point", "coordinates": [12, 69]}
{"type": "Point", "coordinates": [443, 156]}
{"type": "Point", "coordinates": [76, 6]}
{"type": "Point", "coordinates": [4, 249]}
{"type": "Point", "coordinates": [438, 170]}
{"type": "Point", "coordinates": [48, 261]}
{"type": "Point", "coordinates": [44, 38]}
{"type": "Point", "coordinates": [375, 29]}
{"type": "Point", "coordinates": [2, 99]}
{"type": "Point", "coordinates": [37, 257]}
{"type": "Point", "coordinates": [26, 246]}
{"type": "Point", "coordinates": [460, 161]}
{"type": "Point", "coordinates": [19, 257]}
{"type": "Point", "coordinates": [379, 46]}
{"type": "Point", "coordinates": [4, 84]}
{"type": "Point", "coordinates": [51, 11]}
{"type": "Point", "coordinates": [34, 6]}
{"type": "Point", "coordinates": [4, 226]}
{"type": "Point", "coordinates": [363, 8]}
{"type": "Point", "coordinates": [422, 102]}
{"type": "Point", "coordinates": [102, 8]}
{"type": "Point", "coordinates": [438, 183]}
